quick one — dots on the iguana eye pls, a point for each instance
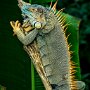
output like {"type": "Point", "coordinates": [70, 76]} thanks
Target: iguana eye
{"type": "Point", "coordinates": [40, 10]}
{"type": "Point", "coordinates": [32, 9]}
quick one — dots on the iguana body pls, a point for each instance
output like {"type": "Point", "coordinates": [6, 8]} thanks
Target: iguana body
{"type": "Point", "coordinates": [42, 34]}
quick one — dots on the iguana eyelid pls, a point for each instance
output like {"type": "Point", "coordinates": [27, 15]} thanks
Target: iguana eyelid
{"type": "Point", "coordinates": [32, 9]}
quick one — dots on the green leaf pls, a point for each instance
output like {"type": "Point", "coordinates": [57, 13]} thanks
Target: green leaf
{"type": "Point", "coordinates": [2, 88]}
{"type": "Point", "coordinates": [73, 30]}
{"type": "Point", "coordinates": [40, 1]}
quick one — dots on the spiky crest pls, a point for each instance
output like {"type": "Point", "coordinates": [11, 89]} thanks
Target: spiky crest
{"type": "Point", "coordinates": [61, 18]}
{"type": "Point", "coordinates": [50, 5]}
{"type": "Point", "coordinates": [54, 6]}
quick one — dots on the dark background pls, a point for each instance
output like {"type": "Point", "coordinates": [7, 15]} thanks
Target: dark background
{"type": "Point", "coordinates": [14, 62]}
{"type": "Point", "coordinates": [12, 76]}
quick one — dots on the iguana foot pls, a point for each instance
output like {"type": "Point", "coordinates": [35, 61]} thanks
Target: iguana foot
{"type": "Point", "coordinates": [80, 85]}
{"type": "Point", "coordinates": [27, 26]}
{"type": "Point", "coordinates": [16, 26]}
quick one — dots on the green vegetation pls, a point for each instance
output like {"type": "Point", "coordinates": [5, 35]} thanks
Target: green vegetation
{"type": "Point", "coordinates": [2, 88]}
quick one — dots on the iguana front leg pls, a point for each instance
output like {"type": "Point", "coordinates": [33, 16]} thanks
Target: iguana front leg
{"type": "Point", "coordinates": [18, 30]}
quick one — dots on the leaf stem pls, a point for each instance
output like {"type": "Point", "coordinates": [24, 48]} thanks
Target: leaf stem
{"type": "Point", "coordinates": [32, 77]}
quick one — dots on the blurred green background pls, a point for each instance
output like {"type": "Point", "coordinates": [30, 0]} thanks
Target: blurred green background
{"type": "Point", "coordinates": [11, 51]}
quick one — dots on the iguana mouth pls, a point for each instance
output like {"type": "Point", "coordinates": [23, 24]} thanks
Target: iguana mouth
{"type": "Point", "coordinates": [34, 23]}
{"type": "Point", "coordinates": [27, 25]}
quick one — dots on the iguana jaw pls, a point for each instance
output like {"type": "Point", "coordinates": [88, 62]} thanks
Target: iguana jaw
{"type": "Point", "coordinates": [28, 24]}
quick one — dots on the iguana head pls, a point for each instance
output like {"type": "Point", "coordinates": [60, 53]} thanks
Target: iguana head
{"type": "Point", "coordinates": [34, 14]}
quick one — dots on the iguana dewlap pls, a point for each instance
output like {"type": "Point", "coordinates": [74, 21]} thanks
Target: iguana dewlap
{"type": "Point", "coordinates": [42, 34]}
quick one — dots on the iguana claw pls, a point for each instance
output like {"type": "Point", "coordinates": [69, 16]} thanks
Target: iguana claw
{"type": "Point", "coordinates": [16, 26]}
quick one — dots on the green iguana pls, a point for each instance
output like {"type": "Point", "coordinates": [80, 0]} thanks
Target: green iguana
{"type": "Point", "coordinates": [43, 36]}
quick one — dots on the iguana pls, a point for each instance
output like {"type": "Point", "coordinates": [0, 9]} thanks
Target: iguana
{"type": "Point", "coordinates": [43, 36]}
